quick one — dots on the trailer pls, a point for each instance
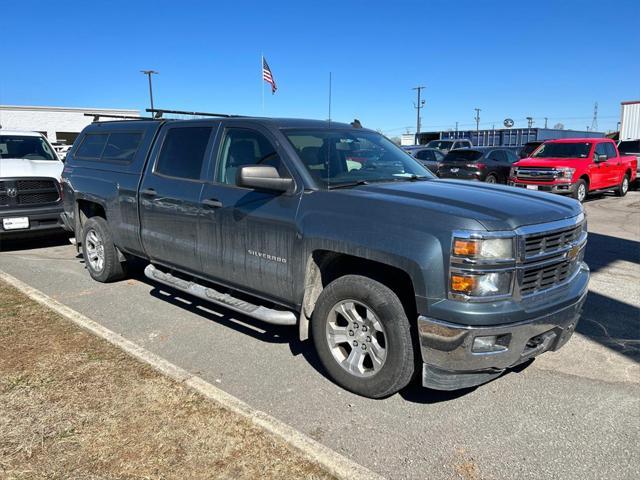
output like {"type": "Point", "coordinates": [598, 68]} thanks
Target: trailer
{"type": "Point", "coordinates": [630, 120]}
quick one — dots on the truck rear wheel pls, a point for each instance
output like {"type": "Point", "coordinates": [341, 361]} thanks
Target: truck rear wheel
{"type": "Point", "coordinates": [362, 335]}
{"type": "Point", "coordinates": [99, 252]}
{"type": "Point", "coordinates": [580, 191]}
{"type": "Point", "coordinates": [622, 190]}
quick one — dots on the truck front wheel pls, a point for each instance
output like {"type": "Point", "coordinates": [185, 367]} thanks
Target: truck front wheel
{"type": "Point", "coordinates": [362, 335]}
{"type": "Point", "coordinates": [99, 252]}
{"type": "Point", "coordinates": [580, 191]}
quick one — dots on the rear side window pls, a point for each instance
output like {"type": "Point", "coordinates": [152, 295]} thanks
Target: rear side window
{"type": "Point", "coordinates": [122, 146]}
{"type": "Point", "coordinates": [92, 146]}
{"type": "Point", "coordinates": [498, 156]}
{"type": "Point", "coordinates": [183, 152]}
{"type": "Point", "coordinates": [629, 146]}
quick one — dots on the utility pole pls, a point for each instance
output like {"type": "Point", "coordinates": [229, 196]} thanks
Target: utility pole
{"type": "Point", "coordinates": [529, 122]}
{"type": "Point", "coordinates": [418, 106]}
{"type": "Point", "coordinates": [148, 73]}
{"type": "Point", "coordinates": [456, 126]}
{"type": "Point", "coordinates": [478, 110]}
{"type": "Point", "coordinates": [545, 121]}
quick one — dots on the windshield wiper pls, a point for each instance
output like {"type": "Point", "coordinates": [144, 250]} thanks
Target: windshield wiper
{"type": "Point", "coordinates": [347, 184]}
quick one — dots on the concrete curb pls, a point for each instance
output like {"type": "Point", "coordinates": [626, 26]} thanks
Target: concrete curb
{"type": "Point", "coordinates": [331, 461]}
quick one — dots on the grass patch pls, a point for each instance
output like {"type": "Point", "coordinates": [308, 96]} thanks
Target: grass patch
{"type": "Point", "coordinates": [74, 406]}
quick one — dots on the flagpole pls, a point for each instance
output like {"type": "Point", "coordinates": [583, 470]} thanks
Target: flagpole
{"type": "Point", "coordinates": [262, 80]}
{"type": "Point", "coordinates": [329, 96]}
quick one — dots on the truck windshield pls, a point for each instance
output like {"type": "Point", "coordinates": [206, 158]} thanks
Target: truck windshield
{"type": "Point", "coordinates": [462, 155]}
{"type": "Point", "coordinates": [563, 150]}
{"type": "Point", "coordinates": [27, 147]}
{"type": "Point", "coordinates": [335, 157]}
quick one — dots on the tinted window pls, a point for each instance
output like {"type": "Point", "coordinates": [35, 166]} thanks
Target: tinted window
{"type": "Point", "coordinates": [92, 146]}
{"type": "Point", "coordinates": [425, 155]}
{"type": "Point", "coordinates": [246, 147]}
{"type": "Point", "coordinates": [461, 145]}
{"type": "Point", "coordinates": [629, 147]}
{"type": "Point", "coordinates": [464, 155]}
{"type": "Point", "coordinates": [610, 149]}
{"type": "Point", "coordinates": [183, 151]}
{"type": "Point", "coordinates": [511, 156]}
{"type": "Point", "coordinates": [122, 146]}
{"type": "Point", "coordinates": [440, 144]}
{"type": "Point", "coordinates": [499, 156]}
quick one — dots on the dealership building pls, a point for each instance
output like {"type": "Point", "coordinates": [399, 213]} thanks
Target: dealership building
{"type": "Point", "coordinates": [58, 124]}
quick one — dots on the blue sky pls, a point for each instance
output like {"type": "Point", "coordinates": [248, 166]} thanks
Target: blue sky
{"type": "Point", "coordinates": [509, 58]}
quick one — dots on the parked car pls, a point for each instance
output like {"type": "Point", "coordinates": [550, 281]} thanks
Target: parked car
{"type": "Point", "coordinates": [528, 148]}
{"type": "Point", "coordinates": [388, 267]}
{"type": "Point", "coordinates": [61, 149]}
{"type": "Point", "coordinates": [631, 148]}
{"type": "Point", "coordinates": [446, 145]}
{"type": "Point", "coordinates": [486, 164]}
{"type": "Point", "coordinates": [429, 157]}
{"type": "Point", "coordinates": [30, 201]}
{"type": "Point", "coordinates": [576, 167]}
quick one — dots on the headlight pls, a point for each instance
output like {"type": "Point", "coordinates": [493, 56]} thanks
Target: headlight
{"type": "Point", "coordinates": [481, 284]}
{"type": "Point", "coordinates": [484, 248]}
{"type": "Point", "coordinates": [565, 173]}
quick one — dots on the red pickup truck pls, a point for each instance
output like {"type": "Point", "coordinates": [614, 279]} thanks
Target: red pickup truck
{"type": "Point", "coordinates": [576, 167]}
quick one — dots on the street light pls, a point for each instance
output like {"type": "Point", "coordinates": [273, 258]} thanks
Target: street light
{"type": "Point", "coordinates": [148, 73]}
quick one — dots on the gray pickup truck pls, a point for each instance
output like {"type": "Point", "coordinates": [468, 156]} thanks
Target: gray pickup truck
{"type": "Point", "coordinates": [391, 272]}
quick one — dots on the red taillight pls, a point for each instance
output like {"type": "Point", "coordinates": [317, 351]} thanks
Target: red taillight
{"type": "Point", "coordinates": [478, 165]}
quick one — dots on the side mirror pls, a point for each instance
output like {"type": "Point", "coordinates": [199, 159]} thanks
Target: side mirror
{"type": "Point", "coordinates": [262, 177]}
{"type": "Point", "coordinates": [601, 158]}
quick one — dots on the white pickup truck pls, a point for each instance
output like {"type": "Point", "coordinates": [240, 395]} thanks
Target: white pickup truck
{"type": "Point", "coordinates": [30, 195]}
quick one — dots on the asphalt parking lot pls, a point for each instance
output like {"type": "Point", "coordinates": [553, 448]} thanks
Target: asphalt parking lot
{"type": "Point", "coordinates": [570, 414]}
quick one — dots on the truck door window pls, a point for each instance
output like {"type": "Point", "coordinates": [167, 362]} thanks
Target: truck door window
{"type": "Point", "coordinates": [182, 153]}
{"type": "Point", "coordinates": [611, 151]}
{"type": "Point", "coordinates": [600, 150]}
{"type": "Point", "coordinates": [243, 147]}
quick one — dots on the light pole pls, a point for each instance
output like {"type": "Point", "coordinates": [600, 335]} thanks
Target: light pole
{"type": "Point", "coordinates": [418, 107]}
{"type": "Point", "coordinates": [148, 73]}
{"type": "Point", "coordinates": [478, 110]}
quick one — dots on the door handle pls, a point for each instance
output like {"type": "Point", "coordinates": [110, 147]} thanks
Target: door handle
{"type": "Point", "coordinates": [149, 192]}
{"type": "Point", "coordinates": [212, 202]}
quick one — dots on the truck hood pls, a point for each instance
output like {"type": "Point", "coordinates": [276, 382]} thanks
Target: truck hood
{"type": "Point", "coordinates": [549, 162]}
{"type": "Point", "coordinates": [496, 207]}
{"type": "Point", "coordinates": [20, 167]}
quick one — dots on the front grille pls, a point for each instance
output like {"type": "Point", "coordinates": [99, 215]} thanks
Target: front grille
{"type": "Point", "coordinates": [24, 185]}
{"type": "Point", "coordinates": [548, 242]}
{"type": "Point", "coordinates": [29, 192]}
{"type": "Point", "coordinates": [535, 279]}
{"type": "Point", "coordinates": [542, 174]}
{"type": "Point", "coordinates": [37, 198]}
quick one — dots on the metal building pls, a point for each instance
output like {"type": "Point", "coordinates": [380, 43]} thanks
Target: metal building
{"type": "Point", "coordinates": [506, 137]}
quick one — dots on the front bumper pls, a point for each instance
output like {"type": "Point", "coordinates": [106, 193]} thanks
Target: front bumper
{"type": "Point", "coordinates": [41, 220]}
{"type": "Point", "coordinates": [561, 188]}
{"type": "Point", "coordinates": [450, 363]}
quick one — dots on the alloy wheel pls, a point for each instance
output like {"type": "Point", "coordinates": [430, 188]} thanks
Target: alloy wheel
{"type": "Point", "coordinates": [356, 338]}
{"type": "Point", "coordinates": [95, 250]}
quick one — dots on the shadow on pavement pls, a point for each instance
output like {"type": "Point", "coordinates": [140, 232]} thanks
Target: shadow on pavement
{"type": "Point", "coordinates": [603, 250]}
{"type": "Point", "coordinates": [31, 242]}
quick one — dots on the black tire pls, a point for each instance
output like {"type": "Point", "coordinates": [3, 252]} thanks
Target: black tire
{"type": "Point", "coordinates": [398, 367]}
{"type": "Point", "coordinates": [111, 269]}
{"type": "Point", "coordinates": [623, 188]}
{"type": "Point", "coordinates": [492, 178]}
{"type": "Point", "coordinates": [578, 192]}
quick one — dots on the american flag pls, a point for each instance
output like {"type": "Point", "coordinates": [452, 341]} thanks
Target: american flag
{"type": "Point", "coordinates": [267, 76]}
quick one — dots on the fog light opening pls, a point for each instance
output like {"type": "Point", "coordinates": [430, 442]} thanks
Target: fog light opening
{"type": "Point", "coordinates": [490, 343]}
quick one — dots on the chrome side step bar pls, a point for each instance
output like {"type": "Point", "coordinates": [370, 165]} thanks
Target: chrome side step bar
{"type": "Point", "coordinates": [269, 315]}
